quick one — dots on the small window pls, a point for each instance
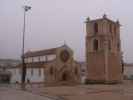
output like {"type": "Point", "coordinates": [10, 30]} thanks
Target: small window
{"type": "Point", "coordinates": [95, 28]}
{"type": "Point", "coordinates": [95, 45]}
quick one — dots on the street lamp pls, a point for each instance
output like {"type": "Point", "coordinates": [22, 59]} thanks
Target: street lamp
{"type": "Point", "coordinates": [26, 8]}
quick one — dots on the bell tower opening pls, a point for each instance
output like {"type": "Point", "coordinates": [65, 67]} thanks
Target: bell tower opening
{"type": "Point", "coordinates": [95, 28]}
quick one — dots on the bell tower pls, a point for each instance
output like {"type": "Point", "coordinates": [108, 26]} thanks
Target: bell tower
{"type": "Point", "coordinates": [103, 51]}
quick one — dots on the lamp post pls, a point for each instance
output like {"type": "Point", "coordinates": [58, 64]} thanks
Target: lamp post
{"type": "Point", "coordinates": [26, 8]}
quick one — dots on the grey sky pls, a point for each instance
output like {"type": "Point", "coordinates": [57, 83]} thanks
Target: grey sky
{"type": "Point", "coordinates": [51, 22]}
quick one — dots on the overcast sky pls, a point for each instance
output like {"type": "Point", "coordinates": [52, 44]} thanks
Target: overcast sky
{"type": "Point", "coordinates": [51, 22]}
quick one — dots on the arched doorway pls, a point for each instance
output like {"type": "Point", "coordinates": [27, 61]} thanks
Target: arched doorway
{"type": "Point", "coordinates": [65, 77]}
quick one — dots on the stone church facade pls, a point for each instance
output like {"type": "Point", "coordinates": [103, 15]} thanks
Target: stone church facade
{"type": "Point", "coordinates": [59, 65]}
{"type": "Point", "coordinates": [103, 51]}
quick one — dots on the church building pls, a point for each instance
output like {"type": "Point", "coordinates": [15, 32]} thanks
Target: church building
{"type": "Point", "coordinates": [58, 64]}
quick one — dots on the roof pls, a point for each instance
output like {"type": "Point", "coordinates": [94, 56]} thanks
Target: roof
{"type": "Point", "coordinates": [5, 73]}
{"type": "Point", "coordinates": [103, 18]}
{"type": "Point", "coordinates": [40, 52]}
{"type": "Point", "coordinates": [36, 64]}
{"type": "Point", "coordinates": [9, 62]}
{"type": "Point", "coordinates": [43, 52]}
{"type": "Point", "coordinates": [128, 64]}
{"type": "Point", "coordinates": [9, 67]}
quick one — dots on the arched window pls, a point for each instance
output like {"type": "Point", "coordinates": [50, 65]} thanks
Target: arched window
{"type": "Point", "coordinates": [115, 29]}
{"type": "Point", "coordinates": [95, 45]}
{"type": "Point", "coordinates": [95, 28]}
{"type": "Point", "coordinates": [110, 28]}
{"type": "Point", "coordinates": [118, 46]}
{"type": "Point", "coordinates": [76, 71]}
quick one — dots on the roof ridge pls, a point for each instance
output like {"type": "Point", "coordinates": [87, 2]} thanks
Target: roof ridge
{"type": "Point", "coordinates": [41, 52]}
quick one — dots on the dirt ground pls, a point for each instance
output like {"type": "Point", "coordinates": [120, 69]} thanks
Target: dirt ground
{"type": "Point", "coordinates": [8, 93]}
{"type": "Point", "coordinates": [86, 92]}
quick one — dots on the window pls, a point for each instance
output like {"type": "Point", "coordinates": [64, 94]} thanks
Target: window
{"type": "Point", "coordinates": [39, 71]}
{"type": "Point", "coordinates": [20, 71]}
{"type": "Point", "coordinates": [51, 57]}
{"type": "Point", "coordinates": [95, 45]}
{"type": "Point", "coordinates": [25, 60]}
{"type": "Point", "coordinates": [118, 46]}
{"type": "Point", "coordinates": [32, 72]}
{"type": "Point", "coordinates": [43, 58]}
{"type": "Point", "coordinates": [64, 55]}
{"type": "Point", "coordinates": [51, 71]}
{"type": "Point", "coordinates": [110, 28]}
{"type": "Point", "coordinates": [36, 59]}
{"type": "Point", "coordinates": [95, 28]}
{"type": "Point", "coordinates": [109, 46]}
{"type": "Point", "coordinates": [115, 29]}
{"type": "Point", "coordinates": [29, 60]}
{"type": "Point", "coordinates": [15, 71]}
{"type": "Point", "coordinates": [76, 71]}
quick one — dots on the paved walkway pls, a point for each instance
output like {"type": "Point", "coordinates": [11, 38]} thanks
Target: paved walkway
{"type": "Point", "coordinates": [7, 93]}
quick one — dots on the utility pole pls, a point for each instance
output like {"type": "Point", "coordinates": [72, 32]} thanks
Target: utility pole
{"type": "Point", "coordinates": [26, 8]}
